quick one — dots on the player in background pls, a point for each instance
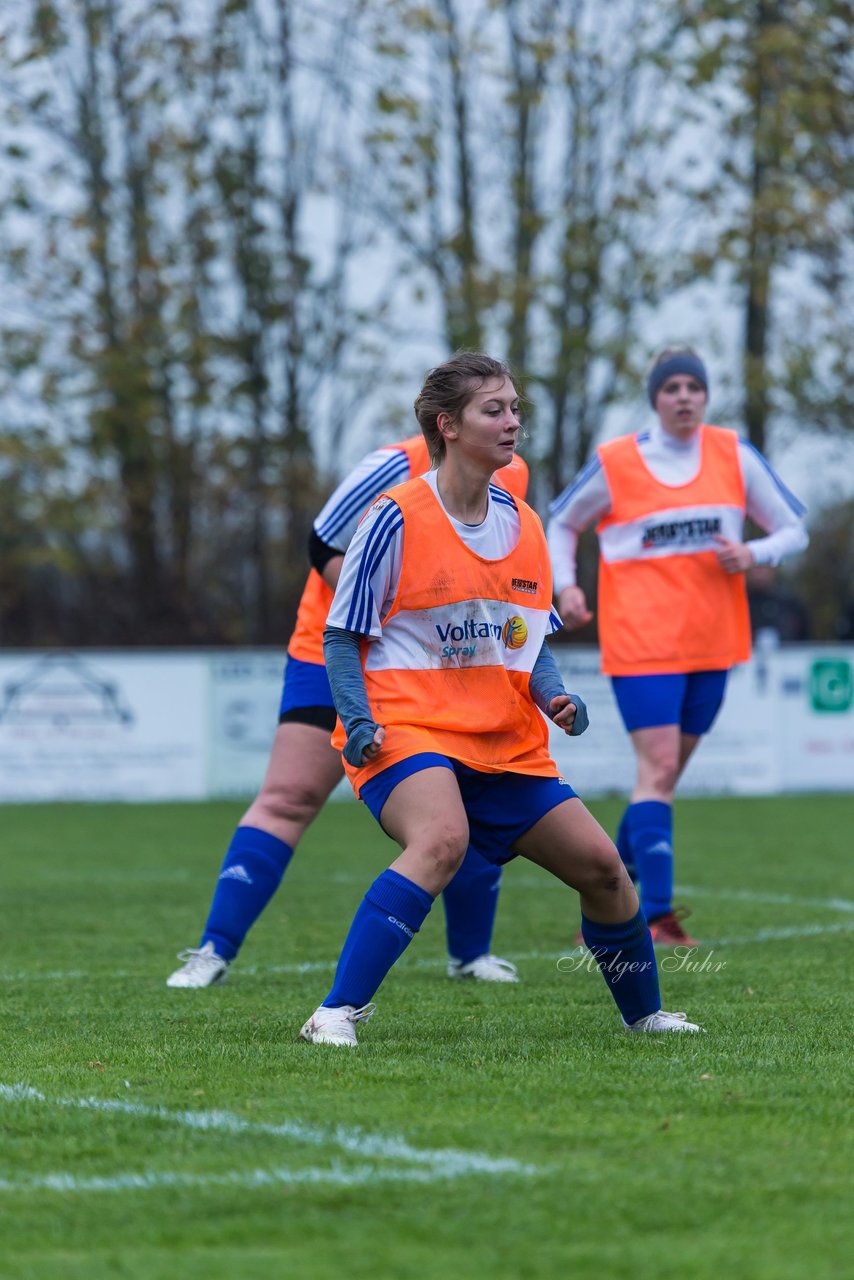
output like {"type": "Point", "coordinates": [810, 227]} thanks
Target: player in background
{"type": "Point", "coordinates": [304, 768]}
{"type": "Point", "coordinates": [669, 504]}
{"type": "Point", "coordinates": [436, 651]}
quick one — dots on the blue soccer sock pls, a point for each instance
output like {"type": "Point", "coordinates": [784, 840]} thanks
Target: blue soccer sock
{"type": "Point", "coordinates": [626, 959]}
{"type": "Point", "coordinates": [387, 919]}
{"type": "Point", "coordinates": [649, 825]}
{"type": "Point", "coordinates": [251, 873]}
{"type": "Point", "coordinates": [624, 848]}
{"type": "Point", "coordinates": [470, 901]}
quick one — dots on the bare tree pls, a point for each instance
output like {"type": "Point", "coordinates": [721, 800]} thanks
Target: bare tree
{"type": "Point", "coordinates": [779, 76]}
{"type": "Point", "coordinates": [186, 320]}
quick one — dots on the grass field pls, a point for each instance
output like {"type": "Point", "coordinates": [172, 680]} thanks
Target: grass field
{"type": "Point", "coordinates": [479, 1131]}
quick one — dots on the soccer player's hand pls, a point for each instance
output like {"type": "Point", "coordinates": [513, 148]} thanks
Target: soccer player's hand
{"type": "Point", "coordinates": [363, 743]}
{"type": "Point", "coordinates": [572, 607]}
{"type": "Point", "coordinates": [569, 713]}
{"type": "Point", "coordinates": [733, 557]}
{"type": "Point", "coordinates": [374, 746]}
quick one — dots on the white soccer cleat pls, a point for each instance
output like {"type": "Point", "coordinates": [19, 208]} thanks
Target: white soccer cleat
{"type": "Point", "coordinates": [663, 1021]}
{"type": "Point", "coordinates": [336, 1026]}
{"type": "Point", "coordinates": [201, 968]}
{"type": "Point", "coordinates": [485, 969]}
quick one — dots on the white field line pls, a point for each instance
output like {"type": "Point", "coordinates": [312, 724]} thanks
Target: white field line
{"type": "Point", "coordinates": [772, 899]}
{"type": "Point", "coordinates": [436, 962]}
{"type": "Point", "coordinates": [426, 1165]}
{"type": "Point", "coordinates": [783, 935]}
{"type": "Point", "coordinates": [697, 891]}
{"type": "Point", "coordinates": [335, 1175]}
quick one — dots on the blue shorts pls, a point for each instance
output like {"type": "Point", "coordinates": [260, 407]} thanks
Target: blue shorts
{"type": "Point", "coordinates": [306, 695]}
{"type": "Point", "coordinates": [691, 699]}
{"type": "Point", "coordinates": [500, 807]}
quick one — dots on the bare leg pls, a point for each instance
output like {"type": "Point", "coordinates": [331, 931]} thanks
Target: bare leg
{"type": "Point", "coordinates": [302, 772]}
{"type": "Point", "coordinates": [661, 754]}
{"type": "Point", "coordinates": [425, 815]}
{"type": "Point", "coordinates": [570, 843]}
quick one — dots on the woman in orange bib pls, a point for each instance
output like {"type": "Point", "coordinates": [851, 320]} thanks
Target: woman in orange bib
{"type": "Point", "coordinates": [669, 507]}
{"type": "Point", "coordinates": [304, 768]}
{"type": "Point", "coordinates": [436, 652]}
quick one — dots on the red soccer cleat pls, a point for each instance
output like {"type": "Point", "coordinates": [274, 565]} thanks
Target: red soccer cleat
{"type": "Point", "coordinates": [667, 930]}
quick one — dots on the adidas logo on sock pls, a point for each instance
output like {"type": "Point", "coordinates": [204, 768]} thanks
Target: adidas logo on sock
{"type": "Point", "coordinates": [661, 847]}
{"type": "Point", "coordinates": [400, 925]}
{"type": "Point", "coordinates": [237, 873]}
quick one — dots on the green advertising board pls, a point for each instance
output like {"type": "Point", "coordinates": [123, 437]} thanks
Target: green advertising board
{"type": "Point", "coordinates": [831, 685]}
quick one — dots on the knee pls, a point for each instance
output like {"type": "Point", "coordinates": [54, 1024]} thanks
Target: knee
{"type": "Point", "coordinates": [662, 771]}
{"type": "Point", "coordinates": [603, 873]}
{"type": "Point", "coordinates": [445, 849]}
{"type": "Point", "coordinates": [298, 801]}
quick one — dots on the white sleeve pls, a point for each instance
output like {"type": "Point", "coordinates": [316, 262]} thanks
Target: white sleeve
{"type": "Point", "coordinates": [370, 572]}
{"type": "Point", "coordinates": [581, 504]}
{"type": "Point", "coordinates": [378, 471]}
{"type": "Point", "coordinates": [774, 508]}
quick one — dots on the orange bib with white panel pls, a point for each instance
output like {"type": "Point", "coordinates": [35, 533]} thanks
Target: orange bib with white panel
{"type": "Point", "coordinates": [665, 603]}
{"type": "Point", "coordinates": [451, 671]}
{"type": "Point", "coordinates": [306, 642]}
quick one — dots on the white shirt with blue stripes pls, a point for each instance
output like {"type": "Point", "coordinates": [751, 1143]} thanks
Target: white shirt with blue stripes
{"type": "Point", "coordinates": [377, 472]}
{"type": "Point", "coordinates": [371, 569]}
{"type": "Point", "coordinates": [673, 461]}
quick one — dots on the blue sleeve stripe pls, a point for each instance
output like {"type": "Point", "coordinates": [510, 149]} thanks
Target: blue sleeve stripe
{"type": "Point", "coordinates": [360, 498]}
{"type": "Point", "coordinates": [381, 536]}
{"type": "Point", "coordinates": [584, 476]}
{"type": "Point", "coordinates": [376, 545]}
{"type": "Point", "coordinates": [497, 494]}
{"type": "Point", "coordinates": [794, 503]}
